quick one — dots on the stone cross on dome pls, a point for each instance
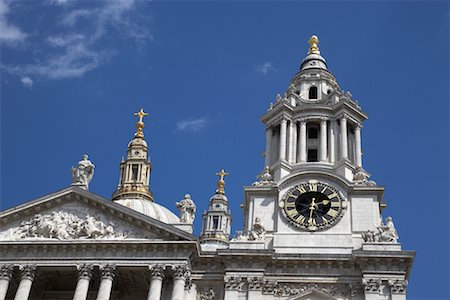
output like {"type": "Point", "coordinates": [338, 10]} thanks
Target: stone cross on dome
{"type": "Point", "coordinates": [140, 124]}
{"type": "Point", "coordinates": [221, 182]}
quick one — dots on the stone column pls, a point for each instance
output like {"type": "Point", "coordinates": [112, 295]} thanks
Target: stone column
{"type": "Point", "coordinates": [254, 291]}
{"type": "Point", "coordinates": [106, 282]}
{"type": "Point", "coordinates": [344, 146]}
{"type": "Point", "coordinates": [156, 280]}
{"type": "Point", "coordinates": [268, 153]}
{"type": "Point", "coordinates": [332, 141]}
{"type": "Point", "coordinates": [232, 287]}
{"type": "Point", "coordinates": [5, 278]}
{"type": "Point", "coordinates": [182, 273]}
{"type": "Point", "coordinates": [302, 142]}
{"type": "Point", "coordinates": [27, 274]}
{"type": "Point", "coordinates": [84, 277]}
{"type": "Point", "coordinates": [283, 129]}
{"type": "Point", "coordinates": [358, 146]}
{"type": "Point", "coordinates": [323, 140]}
{"type": "Point", "coordinates": [293, 142]}
{"type": "Point", "coordinates": [398, 289]}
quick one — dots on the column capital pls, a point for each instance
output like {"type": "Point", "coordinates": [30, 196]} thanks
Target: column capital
{"type": "Point", "coordinates": [344, 117]}
{"type": "Point", "coordinates": [27, 271]}
{"type": "Point", "coordinates": [283, 120]}
{"type": "Point", "coordinates": [182, 271]}
{"type": "Point", "coordinates": [254, 283]}
{"type": "Point", "coordinates": [323, 119]}
{"type": "Point", "coordinates": [85, 271]}
{"type": "Point", "coordinates": [157, 271]}
{"type": "Point", "coordinates": [233, 283]}
{"type": "Point", "coordinates": [302, 120]}
{"type": "Point", "coordinates": [371, 285]}
{"type": "Point", "coordinates": [358, 126]}
{"type": "Point", "coordinates": [398, 286]}
{"type": "Point", "coordinates": [6, 271]}
{"type": "Point", "coordinates": [107, 271]}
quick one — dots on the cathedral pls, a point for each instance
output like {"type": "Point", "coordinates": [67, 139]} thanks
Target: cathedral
{"type": "Point", "coordinates": [313, 226]}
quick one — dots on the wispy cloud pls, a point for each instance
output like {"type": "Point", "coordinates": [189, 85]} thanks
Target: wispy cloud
{"type": "Point", "coordinates": [78, 46]}
{"type": "Point", "coordinates": [265, 68]}
{"type": "Point", "coordinates": [9, 34]}
{"type": "Point", "coordinates": [27, 82]}
{"type": "Point", "coordinates": [192, 125]}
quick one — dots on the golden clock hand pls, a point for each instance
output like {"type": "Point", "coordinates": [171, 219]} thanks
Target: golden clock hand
{"type": "Point", "coordinates": [324, 202]}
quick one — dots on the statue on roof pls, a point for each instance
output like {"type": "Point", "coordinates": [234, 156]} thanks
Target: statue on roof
{"type": "Point", "coordinates": [187, 210]}
{"type": "Point", "coordinates": [82, 174]}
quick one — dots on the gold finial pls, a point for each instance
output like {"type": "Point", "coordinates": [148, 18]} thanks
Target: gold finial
{"type": "Point", "coordinates": [140, 125]}
{"type": "Point", "coordinates": [221, 182]}
{"type": "Point", "coordinates": [313, 41]}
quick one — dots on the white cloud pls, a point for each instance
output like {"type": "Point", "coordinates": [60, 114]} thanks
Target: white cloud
{"type": "Point", "coordinates": [27, 82]}
{"type": "Point", "coordinates": [9, 34]}
{"type": "Point", "coordinates": [192, 125]}
{"type": "Point", "coordinates": [265, 68]}
{"type": "Point", "coordinates": [80, 49]}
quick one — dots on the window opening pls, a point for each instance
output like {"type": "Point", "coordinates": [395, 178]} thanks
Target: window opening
{"type": "Point", "coordinates": [313, 92]}
{"type": "Point", "coordinates": [312, 155]}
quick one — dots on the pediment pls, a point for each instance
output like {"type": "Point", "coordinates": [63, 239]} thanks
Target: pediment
{"type": "Point", "coordinates": [76, 214]}
{"type": "Point", "coordinates": [313, 295]}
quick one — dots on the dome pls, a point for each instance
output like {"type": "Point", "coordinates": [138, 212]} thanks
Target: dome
{"type": "Point", "coordinates": [137, 142]}
{"type": "Point", "coordinates": [150, 209]}
{"type": "Point", "coordinates": [313, 61]}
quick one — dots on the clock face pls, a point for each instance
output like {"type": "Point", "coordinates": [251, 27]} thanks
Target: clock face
{"type": "Point", "coordinates": [313, 206]}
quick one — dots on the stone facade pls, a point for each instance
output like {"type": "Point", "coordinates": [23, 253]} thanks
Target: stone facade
{"type": "Point", "coordinates": [313, 225]}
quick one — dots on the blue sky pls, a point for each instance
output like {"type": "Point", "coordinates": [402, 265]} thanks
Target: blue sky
{"type": "Point", "coordinates": [74, 72]}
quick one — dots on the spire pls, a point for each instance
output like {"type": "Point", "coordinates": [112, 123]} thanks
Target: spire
{"type": "Point", "coordinates": [221, 182]}
{"type": "Point", "coordinates": [313, 42]}
{"type": "Point", "coordinates": [140, 124]}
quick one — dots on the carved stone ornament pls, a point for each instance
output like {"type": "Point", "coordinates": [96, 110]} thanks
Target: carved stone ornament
{"type": "Point", "coordinates": [234, 283]}
{"type": "Point", "coordinates": [108, 271]}
{"type": "Point", "coordinates": [264, 178]}
{"type": "Point", "coordinates": [254, 283]}
{"type": "Point", "coordinates": [371, 285]}
{"type": "Point", "coordinates": [6, 272]}
{"type": "Point", "coordinates": [361, 178]}
{"type": "Point", "coordinates": [85, 271]}
{"type": "Point", "coordinates": [182, 271]}
{"type": "Point", "coordinates": [187, 209]}
{"type": "Point", "coordinates": [398, 286]}
{"type": "Point", "coordinates": [206, 294]}
{"type": "Point", "coordinates": [27, 272]}
{"type": "Point", "coordinates": [64, 225]}
{"type": "Point", "coordinates": [386, 233]}
{"type": "Point", "coordinates": [157, 271]}
{"type": "Point", "coordinates": [343, 291]}
{"type": "Point", "coordinates": [258, 231]}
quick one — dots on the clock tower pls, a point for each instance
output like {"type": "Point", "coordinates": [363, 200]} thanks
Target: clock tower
{"type": "Point", "coordinates": [315, 198]}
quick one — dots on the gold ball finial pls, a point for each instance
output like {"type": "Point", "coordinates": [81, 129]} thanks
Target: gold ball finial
{"type": "Point", "coordinates": [221, 182]}
{"type": "Point", "coordinates": [140, 124]}
{"type": "Point", "coordinates": [313, 42]}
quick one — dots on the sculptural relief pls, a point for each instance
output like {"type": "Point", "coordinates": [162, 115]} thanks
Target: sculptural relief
{"type": "Point", "coordinates": [258, 231]}
{"type": "Point", "coordinates": [63, 225]}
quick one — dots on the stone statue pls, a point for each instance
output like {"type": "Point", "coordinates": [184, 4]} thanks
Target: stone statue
{"type": "Point", "coordinates": [82, 174]}
{"type": "Point", "coordinates": [187, 209]}
{"type": "Point", "coordinates": [258, 231]}
{"type": "Point", "coordinates": [388, 233]}
{"type": "Point", "coordinates": [265, 178]}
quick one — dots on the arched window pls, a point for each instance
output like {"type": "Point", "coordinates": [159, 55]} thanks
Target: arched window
{"type": "Point", "coordinates": [313, 92]}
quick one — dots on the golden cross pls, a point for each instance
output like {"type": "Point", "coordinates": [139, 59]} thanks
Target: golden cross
{"type": "Point", "coordinates": [141, 114]}
{"type": "Point", "coordinates": [222, 174]}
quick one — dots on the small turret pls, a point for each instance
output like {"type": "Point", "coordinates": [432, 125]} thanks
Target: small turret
{"type": "Point", "coordinates": [135, 170]}
{"type": "Point", "coordinates": [217, 220]}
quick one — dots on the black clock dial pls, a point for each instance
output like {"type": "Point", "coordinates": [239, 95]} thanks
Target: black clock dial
{"type": "Point", "coordinates": [313, 206]}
